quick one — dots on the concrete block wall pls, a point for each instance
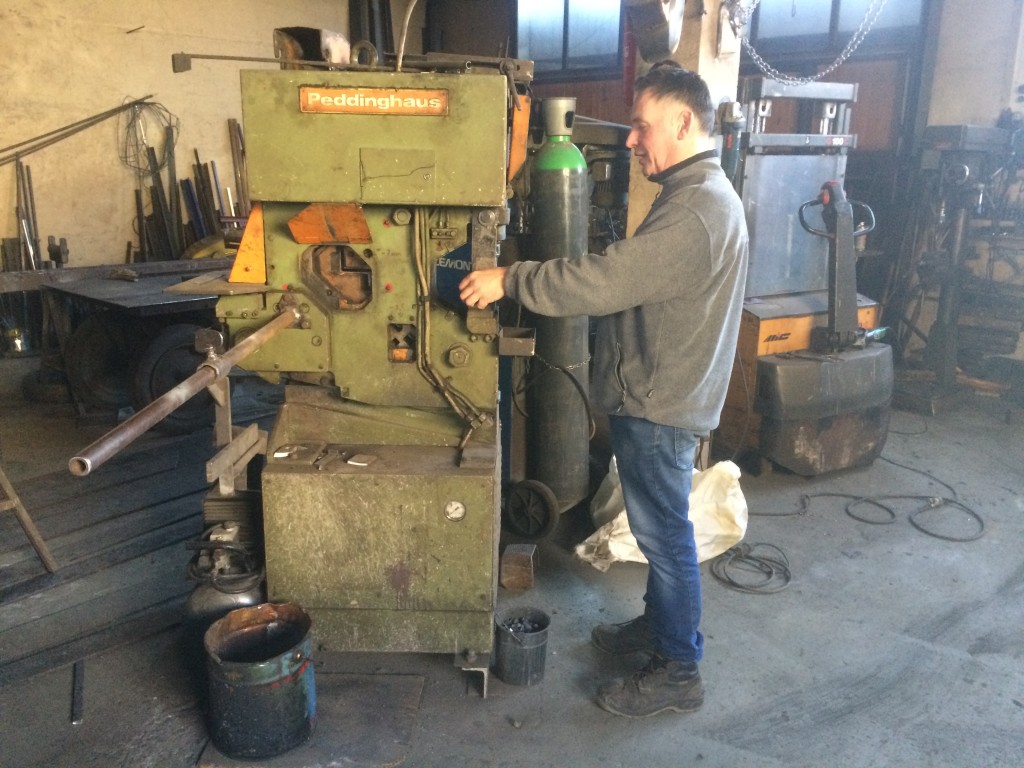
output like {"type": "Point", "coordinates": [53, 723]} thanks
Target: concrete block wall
{"type": "Point", "coordinates": [70, 61]}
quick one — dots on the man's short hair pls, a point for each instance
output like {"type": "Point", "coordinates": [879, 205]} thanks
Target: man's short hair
{"type": "Point", "coordinates": [668, 79]}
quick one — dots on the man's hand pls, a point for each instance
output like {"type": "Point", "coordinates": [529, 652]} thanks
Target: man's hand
{"type": "Point", "coordinates": [482, 287]}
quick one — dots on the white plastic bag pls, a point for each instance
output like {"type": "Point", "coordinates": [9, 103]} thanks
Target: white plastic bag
{"type": "Point", "coordinates": [718, 512]}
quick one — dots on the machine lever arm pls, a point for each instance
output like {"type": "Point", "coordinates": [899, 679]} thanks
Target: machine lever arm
{"type": "Point", "coordinates": [507, 68]}
{"type": "Point", "coordinates": [209, 371]}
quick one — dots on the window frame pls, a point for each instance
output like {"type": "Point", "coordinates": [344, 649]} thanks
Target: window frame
{"type": "Point", "coordinates": [831, 44]}
{"type": "Point", "coordinates": [568, 74]}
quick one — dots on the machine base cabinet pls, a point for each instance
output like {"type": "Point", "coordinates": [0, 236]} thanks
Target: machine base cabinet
{"type": "Point", "coordinates": [387, 547]}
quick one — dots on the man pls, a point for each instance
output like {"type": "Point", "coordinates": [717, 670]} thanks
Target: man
{"type": "Point", "coordinates": [668, 302]}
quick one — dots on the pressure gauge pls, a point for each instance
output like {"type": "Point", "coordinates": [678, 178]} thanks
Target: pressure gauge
{"type": "Point", "coordinates": [455, 511]}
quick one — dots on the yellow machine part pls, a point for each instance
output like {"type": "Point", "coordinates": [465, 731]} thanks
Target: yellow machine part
{"type": "Point", "coordinates": [251, 260]}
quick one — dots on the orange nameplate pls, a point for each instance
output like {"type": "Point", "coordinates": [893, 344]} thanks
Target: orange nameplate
{"type": "Point", "coordinates": [373, 101]}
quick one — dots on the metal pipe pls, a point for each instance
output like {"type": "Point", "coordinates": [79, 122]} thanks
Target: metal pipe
{"type": "Point", "coordinates": [58, 134]}
{"type": "Point", "coordinates": [405, 32]}
{"type": "Point", "coordinates": [949, 304]}
{"type": "Point", "coordinates": [182, 62]}
{"type": "Point", "coordinates": [211, 370]}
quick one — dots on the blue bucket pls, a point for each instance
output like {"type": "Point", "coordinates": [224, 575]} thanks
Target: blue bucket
{"type": "Point", "coordinates": [262, 694]}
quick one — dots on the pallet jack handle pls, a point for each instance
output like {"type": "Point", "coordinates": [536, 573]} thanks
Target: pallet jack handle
{"type": "Point", "coordinates": [843, 329]}
{"type": "Point", "coordinates": [834, 200]}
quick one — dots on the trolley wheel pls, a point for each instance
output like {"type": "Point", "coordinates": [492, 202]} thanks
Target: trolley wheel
{"type": "Point", "coordinates": [170, 359]}
{"type": "Point", "coordinates": [98, 359]}
{"type": "Point", "coordinates": [531, 510]}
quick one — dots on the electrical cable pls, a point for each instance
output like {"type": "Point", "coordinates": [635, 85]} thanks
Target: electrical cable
{"type": "Point", "coordinates": [921, 431]}
{"type": "Point", "coordinates": [805, 503]}
{"type": "Point", "coordinates": [931, 503]}
{"type": "Point", "coordinates": [795, 513]}
{"type": "Point", "coordinates": [134, 146]}
{"type": "Point", "coordinates": [772, 569]}
{"type": "Point", "coordinates": [460, 403]}
{"type": "Point", "coordinates": [937, 503]}
{"type": "Point", "coordinates": [928, 475]}
{"type": "Point", "coordinates": [567, 370]}
{"type": "Point", "coordinates": [520, 388]}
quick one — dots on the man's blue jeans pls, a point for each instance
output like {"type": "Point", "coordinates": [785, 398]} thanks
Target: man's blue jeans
{"type": "Point", "coordinates": [655, 464]}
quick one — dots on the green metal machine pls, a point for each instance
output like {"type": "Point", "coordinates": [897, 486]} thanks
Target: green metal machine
{"type": "Point", "coordinates": [380, 492]}
{"type": "Point", "coordinates": [375, 191]}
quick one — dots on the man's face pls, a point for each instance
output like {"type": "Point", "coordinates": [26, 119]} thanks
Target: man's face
{"type": "Point", "coordinates": [658, 125]}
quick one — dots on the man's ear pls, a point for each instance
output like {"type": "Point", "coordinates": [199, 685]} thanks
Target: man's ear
{"type": "Point", "coordinates": [684, 121]}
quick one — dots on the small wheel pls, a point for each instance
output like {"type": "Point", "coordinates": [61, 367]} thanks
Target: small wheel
{"type": "Point", "coordinates": [169, 360]}
{"type": "Point", "coordinates": [531, 509]}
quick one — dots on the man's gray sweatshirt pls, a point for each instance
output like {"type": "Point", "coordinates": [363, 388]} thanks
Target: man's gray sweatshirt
{"type": "Point", "coordinates": [667, 300]}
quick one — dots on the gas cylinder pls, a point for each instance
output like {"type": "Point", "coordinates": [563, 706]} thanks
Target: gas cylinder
{"type": "Point", "coordinates": [558, 422]}
{"type": "Point", "coordinates": [227, 577]}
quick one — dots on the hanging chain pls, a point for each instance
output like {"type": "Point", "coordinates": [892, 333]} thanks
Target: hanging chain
{"type": "Point", "coordinates": [740, 15]}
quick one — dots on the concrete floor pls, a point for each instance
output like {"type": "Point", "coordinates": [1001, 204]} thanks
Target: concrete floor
{"type": "Point", "coordinates": [890, 647]}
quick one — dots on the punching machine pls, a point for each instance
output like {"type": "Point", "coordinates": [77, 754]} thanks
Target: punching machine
{"type": "Point", "coordinates": [375, 189]}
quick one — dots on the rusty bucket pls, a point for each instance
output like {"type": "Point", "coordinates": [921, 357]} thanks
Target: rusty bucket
{"type": "Point", "coordinates": [262, 698]}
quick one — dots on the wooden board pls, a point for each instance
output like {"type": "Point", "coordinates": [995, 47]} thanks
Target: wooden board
{"type": "Point", "coordinates": [120, 537]}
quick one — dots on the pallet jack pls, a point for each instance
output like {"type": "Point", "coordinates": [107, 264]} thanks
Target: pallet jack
{"type": "Point", "coordinates": [827, 408]}
{"type": "Point", "coordinates": [810, 389]}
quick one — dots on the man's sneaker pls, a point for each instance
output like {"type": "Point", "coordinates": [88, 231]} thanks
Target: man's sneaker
{"type": "Point", "coordinates": [627, 637]}
{"type": "Point", "coordinates": [660, 686]}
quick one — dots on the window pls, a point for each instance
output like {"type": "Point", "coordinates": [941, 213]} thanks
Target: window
{"type": "Point", "coordinates": [787, 18]}
{"type": "Point", "coordinates": [828, 23]}
{"type": "Point", "coordinates": [896, 13]}
{"type": "Point", "coordinates": [570, 36]}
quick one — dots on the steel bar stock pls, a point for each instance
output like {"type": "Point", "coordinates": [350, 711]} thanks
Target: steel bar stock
{"type": "Point", "coordinates": [121, 436]}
